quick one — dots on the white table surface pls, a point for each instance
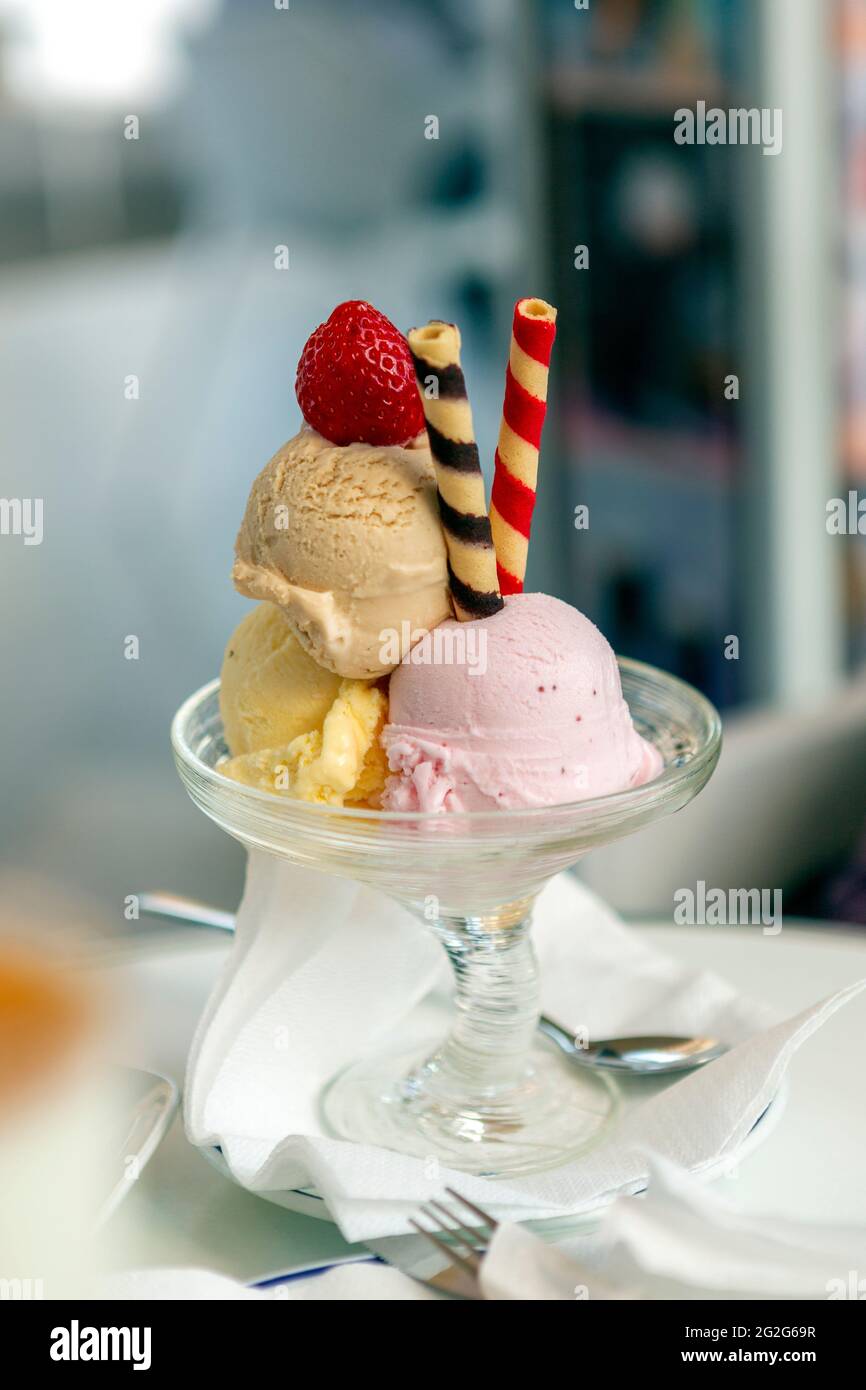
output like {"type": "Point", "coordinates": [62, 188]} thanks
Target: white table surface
{"type": "Point", "coordinates": [182, 1212]}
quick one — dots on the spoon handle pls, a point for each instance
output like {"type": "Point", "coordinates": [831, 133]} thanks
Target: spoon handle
{"type": "Point", "coordinates": [175, 908]}
{"type": "Point", "coordinates": [557, 1034]}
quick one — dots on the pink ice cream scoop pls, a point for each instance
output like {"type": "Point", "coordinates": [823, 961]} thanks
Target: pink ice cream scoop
{"type": "Point", "coordinates": [521, 709]}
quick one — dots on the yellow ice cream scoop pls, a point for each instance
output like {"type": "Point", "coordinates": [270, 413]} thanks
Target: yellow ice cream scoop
{"type": "Point", "coordinates": [293, 727]}
{"type": "Point", "coordinates": [270, 689]}
{"type": "Point", "coordinates": [343, 762]}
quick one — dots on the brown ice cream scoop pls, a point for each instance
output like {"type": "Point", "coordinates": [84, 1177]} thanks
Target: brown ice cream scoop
{"type": "Point", "coordinates": [348, 542]}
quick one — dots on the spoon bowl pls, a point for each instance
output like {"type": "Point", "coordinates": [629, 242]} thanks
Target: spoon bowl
{"type": "Point", "coordinates": [650, 1055]}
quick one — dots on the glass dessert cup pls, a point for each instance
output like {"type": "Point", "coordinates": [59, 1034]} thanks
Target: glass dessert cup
{"type": "Point", "coordinates": [495, 1097]}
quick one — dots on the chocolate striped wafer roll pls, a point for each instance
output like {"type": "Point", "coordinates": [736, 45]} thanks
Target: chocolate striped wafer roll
{"type": "Point", "coordinates": [514, 483]}
{"type": "Point", "coordinates": [462, 504]}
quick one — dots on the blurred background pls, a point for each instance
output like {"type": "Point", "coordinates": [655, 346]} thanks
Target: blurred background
{"type": "Point", "coordinates": [708, 397]}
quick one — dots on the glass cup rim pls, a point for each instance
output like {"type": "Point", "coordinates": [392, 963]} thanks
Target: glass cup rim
{"type": "Point", "coordinates": [662, 786]}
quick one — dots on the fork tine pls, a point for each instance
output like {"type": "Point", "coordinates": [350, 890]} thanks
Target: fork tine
{"type": "Point", "coordinates": [477, 1211]}
{"type": "Point", "coordinates": [446, 1229]}
{"type": "Point", "coordinates": [471, 1266]}
{"type": "Point", "coordinates": [471, 1236]}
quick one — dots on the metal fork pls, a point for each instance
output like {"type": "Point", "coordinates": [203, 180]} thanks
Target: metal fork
{"type": "Point", "coordinates": [465, 1246]}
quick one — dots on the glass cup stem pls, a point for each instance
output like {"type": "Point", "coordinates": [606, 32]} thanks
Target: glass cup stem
{"type": "Point", "coordinates": [484, 1064]}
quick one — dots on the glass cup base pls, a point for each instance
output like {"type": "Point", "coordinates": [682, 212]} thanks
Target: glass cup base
{"type": "Point", "coordinates": [391, 1100]}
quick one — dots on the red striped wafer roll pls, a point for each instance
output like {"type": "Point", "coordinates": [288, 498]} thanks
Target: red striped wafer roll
{"type": "Point", "coordinates": [462, 504]}
{"type": "Point", "coordinates": [514, 482]}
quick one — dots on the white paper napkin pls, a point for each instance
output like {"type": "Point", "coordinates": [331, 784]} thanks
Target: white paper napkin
{"type": "Point", "coordinates": [321, 969]}
{"type": "Point", "coordinates": [682, 1240]}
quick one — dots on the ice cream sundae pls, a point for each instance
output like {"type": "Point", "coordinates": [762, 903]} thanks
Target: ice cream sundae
{"type": "Point", "coordinates": [393, 660]}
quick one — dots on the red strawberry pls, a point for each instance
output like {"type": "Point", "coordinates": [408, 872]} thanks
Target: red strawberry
{"type": "Point", "coordinates": [356, 382]}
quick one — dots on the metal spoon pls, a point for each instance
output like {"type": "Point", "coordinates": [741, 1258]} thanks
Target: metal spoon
{"type": "Point", "coordinates": [641, 1056]}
